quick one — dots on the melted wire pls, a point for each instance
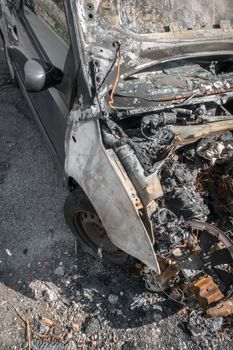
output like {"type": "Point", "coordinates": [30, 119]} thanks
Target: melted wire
{"type": "Point", "coordinates": [111, 98]}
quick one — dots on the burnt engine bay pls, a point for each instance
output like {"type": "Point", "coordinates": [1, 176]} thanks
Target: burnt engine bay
{"type": "Point", "coordinates": [175, 122]}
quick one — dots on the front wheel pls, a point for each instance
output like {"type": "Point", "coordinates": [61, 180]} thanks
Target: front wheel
{"type": "Point", "coordinates": [85, 224]}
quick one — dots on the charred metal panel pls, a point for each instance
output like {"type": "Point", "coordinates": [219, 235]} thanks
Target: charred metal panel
{"type": "Point", "coordinates": [173, 15]}
{"type": "Point", "coordinates": [143, 39]}
{"type": "Point", "coordinates": [108, 188]}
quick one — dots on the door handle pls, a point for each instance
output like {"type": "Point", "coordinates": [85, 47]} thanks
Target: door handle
{"type": "Point", "coordinates": [14, 32]}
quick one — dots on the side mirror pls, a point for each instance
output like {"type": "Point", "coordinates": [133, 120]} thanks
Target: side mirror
{"type": "Point", "coordinates": [40, 75]}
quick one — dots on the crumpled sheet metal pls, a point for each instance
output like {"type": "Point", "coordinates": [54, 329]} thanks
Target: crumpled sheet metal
{"type": "Point", "coordinates": [216, 151]}
{"type": "Point", "coordinates": [206, 291]}
{"type": "Point", "coordinates": [154, 16]}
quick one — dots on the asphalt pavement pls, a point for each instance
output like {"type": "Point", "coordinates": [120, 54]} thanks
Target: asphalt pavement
{"type": "Point", "coordinates": [31, 186]}
{"type": "Point", "coordinates": [32, 194]}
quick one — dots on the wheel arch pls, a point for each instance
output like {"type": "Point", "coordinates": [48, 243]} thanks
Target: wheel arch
{"type": "Point", "coordinates": [108, 187]}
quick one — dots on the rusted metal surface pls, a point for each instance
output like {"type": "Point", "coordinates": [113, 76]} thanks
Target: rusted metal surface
{"type": "Point", "coordinates": [206, 291]}
{"type": "Point", "coordinates": [223, 309]}
{"type": "Point", "coordinates": [209, 250]}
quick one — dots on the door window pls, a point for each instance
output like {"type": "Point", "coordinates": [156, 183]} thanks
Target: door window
{"type": "Point", "coordinates": [47, 19]}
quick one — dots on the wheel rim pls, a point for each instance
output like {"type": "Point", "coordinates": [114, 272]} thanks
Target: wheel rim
{"type": "Point", "coordinates": [217, 252]}
{"type": "Point", "coordinates": [89, 227]}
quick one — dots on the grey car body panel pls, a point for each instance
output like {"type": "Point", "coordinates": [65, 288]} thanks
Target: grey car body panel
{"type": "Point", "coordinates": [95, 169]}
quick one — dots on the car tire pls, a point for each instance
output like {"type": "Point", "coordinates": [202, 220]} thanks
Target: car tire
{"type": "Point", "coordinates": [13, 78]}
{"type": "Point", "coordinates": [85, 224]}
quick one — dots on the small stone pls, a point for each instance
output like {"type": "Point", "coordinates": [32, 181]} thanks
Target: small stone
{"type": "Point", "coordinates": [217, 323]}
{"type": "Point", "coordinates": [8, 252]}
{"type": "Point", "coordinates": [71, 345]}
{"type": "Point", "coordinates": [47, 322]}
{"type": "Point", "coordinates": [157, 317]}
{"type": "Point", "coordinates": [196, 332]}
{"type": "Point", "coordinates": [88, 293]}
{"type": "Point", "coordinates": [75, 327]}
{"type": "Point", "coordinates": [113, 299]}
{"type": "Point", "coordinates": [138, 303]}
{"type": "Point", "coordinates": [43, 329]}
{"type": "Point", "coordinates": [25, 345]}
{"type": "Point", "coordinates": [69, 328]}
{"type": "Point", "coordinates": [92, 326]}
{"type": "Point", "coordinates": [49, 295]}
{"type": "Point", "coordinates": [59, 271]}
{"type": "Point", "coordinates": [58, 329]}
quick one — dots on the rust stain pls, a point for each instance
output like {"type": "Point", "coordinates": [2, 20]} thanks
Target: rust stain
{"type": "Point", "coordinates": [223, 309]}
{"type": "Point", "coordinates": [206, 291]}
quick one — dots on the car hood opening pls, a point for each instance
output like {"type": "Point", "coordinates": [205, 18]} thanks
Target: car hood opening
{"type": "Point", "coordinates": [126, 36]}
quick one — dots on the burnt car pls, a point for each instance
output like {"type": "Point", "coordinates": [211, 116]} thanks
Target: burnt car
{"type": "Point", "coordinates": [136, 100]}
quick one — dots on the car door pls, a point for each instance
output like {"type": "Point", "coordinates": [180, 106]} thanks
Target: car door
{"type": "Point", "coordinates": [40, 31]}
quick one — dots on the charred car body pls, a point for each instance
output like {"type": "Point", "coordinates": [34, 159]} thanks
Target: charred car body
{"type": "Point", "coordinates": [149, 138]}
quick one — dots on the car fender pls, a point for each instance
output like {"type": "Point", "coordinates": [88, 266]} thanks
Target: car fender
{"type": "Point", "coordinates": [101, 176]}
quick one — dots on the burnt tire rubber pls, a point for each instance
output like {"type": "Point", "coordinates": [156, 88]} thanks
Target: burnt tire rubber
{"type": "Point", "coordinates": [85, 224]}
